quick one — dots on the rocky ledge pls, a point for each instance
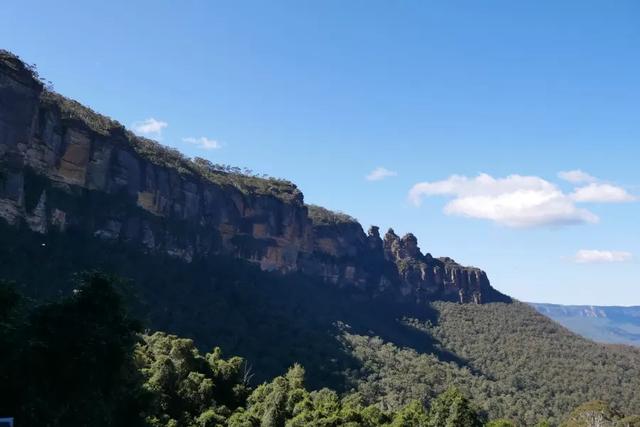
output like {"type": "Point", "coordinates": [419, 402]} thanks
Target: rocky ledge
{"type": "Point", "coordinates": [65, 168]}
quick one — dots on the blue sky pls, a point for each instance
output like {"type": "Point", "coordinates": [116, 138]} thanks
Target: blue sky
{"type": "Point", "coordinates": [325, 92]}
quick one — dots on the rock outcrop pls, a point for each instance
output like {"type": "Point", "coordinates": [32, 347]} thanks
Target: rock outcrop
{"type": "Point", "coordinates": [66, 168]}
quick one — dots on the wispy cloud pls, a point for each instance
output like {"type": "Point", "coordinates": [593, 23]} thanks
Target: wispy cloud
{"type": "Point", "coordinates": [591, 256]}
{"type": "Point", "coordinates": [150, 127]}
{"type": "Point", "coordinates": [380, 173]}
{"type": "Point", "coordinates": [576, 176]}
{"type": "Point", "coordinates": [602, 193]}
{"type": "Point", "coordinates": [203, 142]}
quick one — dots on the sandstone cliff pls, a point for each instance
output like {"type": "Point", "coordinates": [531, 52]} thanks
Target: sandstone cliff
{"type": "Point", "coordinates": [65, 168]}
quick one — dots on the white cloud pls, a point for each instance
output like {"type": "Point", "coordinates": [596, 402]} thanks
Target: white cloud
{"type": "Point", "coordinates": [601, 193]}
{"type": "Point", "coordinates": [150, 127]}
{"type": "Point", "coordinates": [514, 201]}
{"type": "Point", "coordinates": [379, 174]}
{"type": "Point", "coordinates": [576, 176]}
{"type": "Point", "coordinates": [203, 142]}
{"type": "Point", "coordinates": [594, 191]}
{"type": "Point", "coordinates": [589, 256]}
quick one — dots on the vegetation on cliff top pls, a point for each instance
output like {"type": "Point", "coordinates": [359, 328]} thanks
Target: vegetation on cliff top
{"type": "Point", "coordinates": [70, 110]}
{"type": "Point", "coordinates": [161, 155]}
{"type": "Point", "coordinates": [21, 69]}
{"type": "Point", "coordinates": [323, 216]}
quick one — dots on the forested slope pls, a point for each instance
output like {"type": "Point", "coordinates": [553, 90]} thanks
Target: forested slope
{"type": "Point", "coordinates": [511, 361]}
{"type": "Point", "coordinates": [514, 362]}
{"type": "Point", "coordinates": [81, 360]}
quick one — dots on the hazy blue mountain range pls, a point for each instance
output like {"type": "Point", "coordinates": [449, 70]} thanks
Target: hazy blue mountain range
{"type": "Point", "coordinates": [609, 324]}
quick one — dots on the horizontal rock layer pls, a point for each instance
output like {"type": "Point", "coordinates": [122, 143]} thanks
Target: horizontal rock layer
{"type": "Point", "coordinates": [65, 167]}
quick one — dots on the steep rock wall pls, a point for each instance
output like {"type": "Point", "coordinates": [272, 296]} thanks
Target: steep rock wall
{"type": "Point", "coordinates": [66, 168]}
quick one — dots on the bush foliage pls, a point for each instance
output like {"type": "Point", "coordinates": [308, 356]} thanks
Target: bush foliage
{"type": "Point", "coordinates": [322, 216]}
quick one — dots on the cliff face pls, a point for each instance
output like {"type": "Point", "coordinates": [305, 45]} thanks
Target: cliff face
{"type": "Point", "coordinates": [65, 168]}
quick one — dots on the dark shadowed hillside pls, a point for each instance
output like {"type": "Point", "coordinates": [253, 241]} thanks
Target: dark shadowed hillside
{"type": "Point", "coordinates": [512, 361]}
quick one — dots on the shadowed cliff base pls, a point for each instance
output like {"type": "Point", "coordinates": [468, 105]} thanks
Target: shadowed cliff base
{"type": "Point", "coordinates": [273, 320]}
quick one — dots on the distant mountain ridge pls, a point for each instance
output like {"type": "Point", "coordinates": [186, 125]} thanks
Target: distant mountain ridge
{"type": "Point", "coordinates": [607, 324]}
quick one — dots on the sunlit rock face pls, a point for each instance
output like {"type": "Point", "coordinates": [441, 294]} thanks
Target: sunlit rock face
{"type": "Point", "coordinates": [66, 168]}
{"type": "Point", "coordinates": [67, 172]}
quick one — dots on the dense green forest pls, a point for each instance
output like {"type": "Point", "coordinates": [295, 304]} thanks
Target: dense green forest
{"type": "Point", "coordinates": [508, 360]}
{"type": "Point", "coordinates": [82, 360]}
{"type": "Point", "coordinates": [514, 362]}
